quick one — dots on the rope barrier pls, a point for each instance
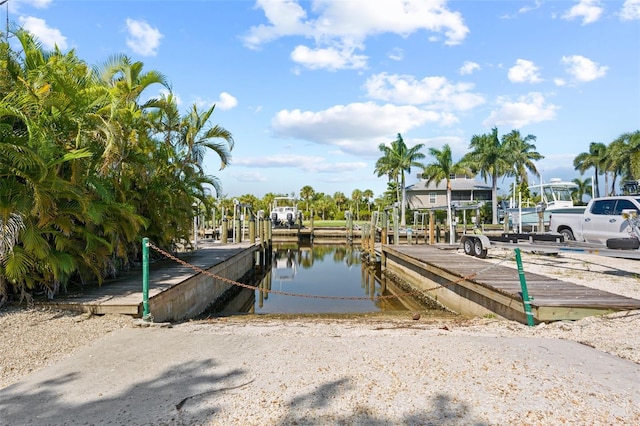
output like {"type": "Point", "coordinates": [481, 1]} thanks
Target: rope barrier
{"type": "Point", "coordinates": [316, 296]}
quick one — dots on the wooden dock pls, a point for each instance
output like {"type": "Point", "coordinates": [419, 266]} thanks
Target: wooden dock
{"type": "Point", "coordinates": [472, 286]}
{"type": "Point", "coordinates": [306, 235]}
{"type": "Point", "coordinates": [175, 291]}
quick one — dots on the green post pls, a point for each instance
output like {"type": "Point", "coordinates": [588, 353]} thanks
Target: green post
{"type": "Point", "coordinates": [145, 279]}
{"type": "Point", "coordinates": [525, 293]}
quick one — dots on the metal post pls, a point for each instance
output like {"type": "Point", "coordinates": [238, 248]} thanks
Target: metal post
{"type": "Point", "coordinates": [145, 279]}
{"type": "Point", "coordinates": [525, 293]}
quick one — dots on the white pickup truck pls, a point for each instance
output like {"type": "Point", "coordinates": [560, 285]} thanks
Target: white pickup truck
{"type": "Point", "coordinates": [600, 221]}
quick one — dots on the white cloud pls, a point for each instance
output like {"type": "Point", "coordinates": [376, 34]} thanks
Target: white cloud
{"type": "Point", "coordinates": [15, 5]}
{"type": "Point", "coordinates": [396, 54]}
{"type": "Point", "coordinates": [630, 10]}
{"type": "Point", "coordinates": [459, 145]}
{"type": "Point", "coordinates": [329, 58]}
{"type": "Point", "coordinates": [436, 92]}
{"type": "Point", "coordinates": [468, 68]}
{"type": "Point", "coordinates": [356, 128]}
{"type": "Point", "coordinates": [306, 163]}
{"type": "Point", "coordinates": [524, 72]}
{"type": "Point", "coordinates": [531, 108]}
{"type": "Point", "coordinates": [249, 176]}
{"type": "Point", "coordinates": [49, 37]}
{"type": "Point", "coordinates": [559, 82]}
{"type": "Point", "coordinates": [527, 8]}
{"type": "Point", "coordinates": [340, 26]}
{"type": "Point", "coordinates": [583, 69]}
{"type": "Point", "coordinates": [143, 38]}
{"type": "Point", "coordinates": [589, 10]}
{"type": "Point", "coordinates": [226, 101]}
{"type": "Point", "coordinates": [523, 10]}
{"type": "Point", "coordinates": [285, 18]}
{"type": "Point", "coordinates": [336, 167]}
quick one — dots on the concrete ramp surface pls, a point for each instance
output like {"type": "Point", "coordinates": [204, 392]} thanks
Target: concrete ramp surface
{"type": "Point", "coordinates": [330, 375]}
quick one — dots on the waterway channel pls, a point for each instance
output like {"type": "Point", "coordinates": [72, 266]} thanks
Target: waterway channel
{"type": "Point", "coordinates": [318, 279]}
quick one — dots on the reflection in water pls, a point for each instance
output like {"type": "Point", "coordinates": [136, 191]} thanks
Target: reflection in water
{"type": "Point", "coordinates": [318, 270]}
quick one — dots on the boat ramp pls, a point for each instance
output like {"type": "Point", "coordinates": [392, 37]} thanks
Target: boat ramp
{"type": "Point", "coordinates": [183, 288]}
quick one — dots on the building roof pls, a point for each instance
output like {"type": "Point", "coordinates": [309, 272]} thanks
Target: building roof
{"type": "Point", "coordinates": [457, 184]}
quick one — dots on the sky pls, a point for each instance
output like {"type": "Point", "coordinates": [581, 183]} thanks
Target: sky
{"type": "Point", "coordinates": [310, 89]}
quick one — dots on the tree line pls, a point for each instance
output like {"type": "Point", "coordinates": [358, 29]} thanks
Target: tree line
{"type": "Point", "coordinates": [88, 162]}
{"type": "Point", "coordinates": [511, 155]}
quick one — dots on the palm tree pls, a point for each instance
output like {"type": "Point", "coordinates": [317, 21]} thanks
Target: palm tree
{"type": "Point", "coordinates": [339, 199]}
{"type": "Point", "coordinates": [594, 158]}
{"type": "Point", "coordinates": [84, 167]}
{"type": "Point", "coordinates": [396, 160]}
{"type": "Point", "coordinates": [442, 169]}
{"type": "Point", "coordinates": [523, 154]}
{"type": "Point", "coordinates": [490, 158]}
{"type": "Point", "coordinates": [356, 197]}
{"type": "Point", "coordinates": [323, 205]}
{"type": "Point", "coordinates": [624, 157]}
{"type": "Point", "coordinates": [584, 187]}
{"type": "Point", "coordinates": [367, 194]}
{"type": "Point", "coordinates": [197, 138]}
{"type": "Point", "coordinates": [307, 193]}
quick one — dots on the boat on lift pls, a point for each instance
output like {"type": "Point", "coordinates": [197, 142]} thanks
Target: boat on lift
{"type": "Point", "coordinates": [284, 212]}
{"type": "Point", "coordinates": [554, 195]}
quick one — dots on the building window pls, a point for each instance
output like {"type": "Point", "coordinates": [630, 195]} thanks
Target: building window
{"type": "Point", "coordinates": [432, 198]}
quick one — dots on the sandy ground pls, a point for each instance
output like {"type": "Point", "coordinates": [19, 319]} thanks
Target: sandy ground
{"type": "Point", "coordinates": [370, 369]}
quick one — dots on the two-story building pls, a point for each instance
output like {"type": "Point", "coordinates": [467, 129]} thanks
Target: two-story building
{"type": "Point", "coordinates": [464, 191]}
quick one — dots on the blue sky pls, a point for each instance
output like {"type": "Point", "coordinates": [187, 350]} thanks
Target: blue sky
{"type": "Point", "coordinates": [309, 89]}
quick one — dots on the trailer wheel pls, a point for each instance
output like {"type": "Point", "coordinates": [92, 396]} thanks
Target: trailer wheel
{"type": "Point", "coordinates": [567, 234]}
{"type": "Point", "coordinates": [468, 246]}
{"type": "Point", "coordinates": [623, 243]}
{"type": "Point", "coordinates": [478, 250]}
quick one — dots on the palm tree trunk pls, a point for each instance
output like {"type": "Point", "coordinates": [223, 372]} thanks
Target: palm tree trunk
{"type": "Point", "coordinates": [449, 218]}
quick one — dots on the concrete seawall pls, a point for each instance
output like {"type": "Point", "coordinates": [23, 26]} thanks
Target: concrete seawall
{"type": "Point", "coordinates": [193, 295]}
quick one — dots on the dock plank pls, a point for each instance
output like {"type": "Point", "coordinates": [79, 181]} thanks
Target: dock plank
{"type": "Point", "coordinates": [545, 292]}
{"type": "Point", "coordinates": [124, 295]}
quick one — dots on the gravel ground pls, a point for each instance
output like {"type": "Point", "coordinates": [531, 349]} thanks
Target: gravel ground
{"type": "Point", "coordinates": [33, 339]}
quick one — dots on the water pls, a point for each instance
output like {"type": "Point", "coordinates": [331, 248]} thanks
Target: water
{"type": "Point", "coordinates": [312, 273]}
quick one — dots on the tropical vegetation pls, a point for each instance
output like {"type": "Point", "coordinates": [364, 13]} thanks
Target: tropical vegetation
{"type": "Point", "coordinates": [89, 161]}
{"type": "Point", "coordinates": [397, 159]}
{"type": "Point", "coordinates": [619, 159]}
{"type": "Point", "coordinates": [441, 169]}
